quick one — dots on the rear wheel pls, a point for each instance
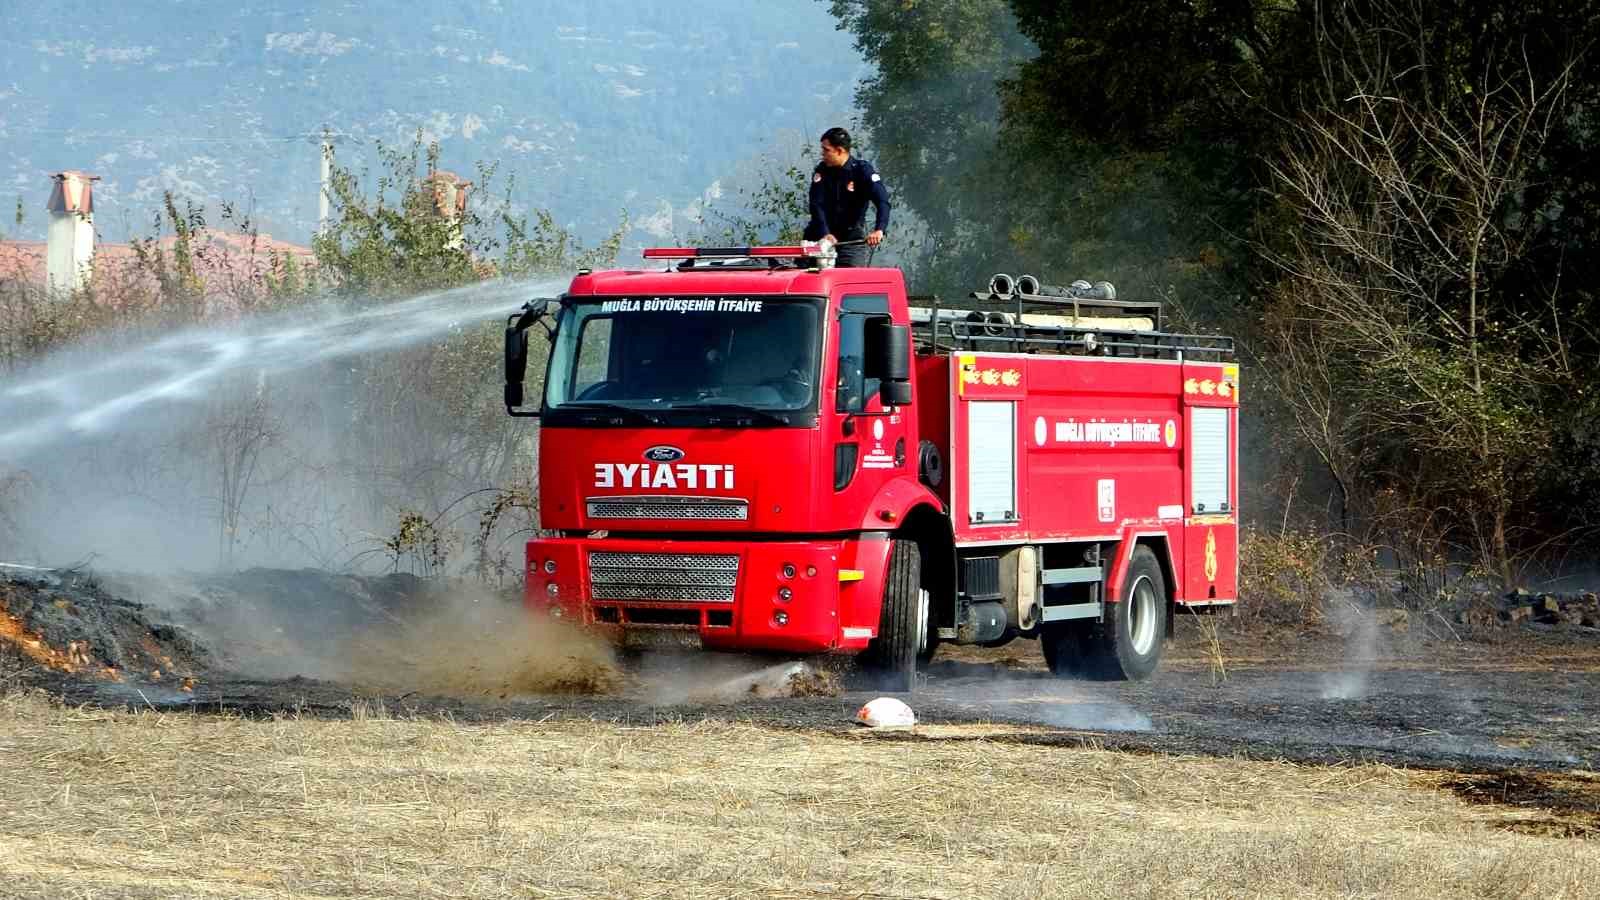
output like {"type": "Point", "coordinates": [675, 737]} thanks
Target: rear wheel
{"type": "Point", "coordinates": [903, 624]}
{"type": "Point", "coordinates": [1127, 645]}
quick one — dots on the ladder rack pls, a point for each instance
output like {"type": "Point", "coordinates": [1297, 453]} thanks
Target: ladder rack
{"type": "Point", "coordinates": [1098, 331]}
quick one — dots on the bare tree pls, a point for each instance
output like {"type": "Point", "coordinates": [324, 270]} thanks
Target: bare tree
{"type": "Point", "coordinates": [1406, 173]}
{"type": "Point", "coordinates": [236, 434]}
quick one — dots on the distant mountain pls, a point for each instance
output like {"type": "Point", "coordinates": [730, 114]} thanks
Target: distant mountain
{"type": "Point", "coordinates": [593, 106]}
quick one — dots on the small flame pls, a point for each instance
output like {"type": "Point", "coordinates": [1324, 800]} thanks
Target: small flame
{"type": "Point", "coordinates": [73, 660]}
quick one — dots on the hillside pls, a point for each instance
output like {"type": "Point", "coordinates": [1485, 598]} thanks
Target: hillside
{"type": "Point", "coordinates": [593, 107]}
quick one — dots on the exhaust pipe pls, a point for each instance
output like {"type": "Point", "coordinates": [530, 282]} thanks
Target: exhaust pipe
{"type": "Point", "coordinates": [1002, 284]}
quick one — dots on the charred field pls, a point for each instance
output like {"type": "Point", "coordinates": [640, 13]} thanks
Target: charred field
{"type": "Point", "coordinates": [282, 733]}
{"type": "Point", "coordinates": [267, 642]}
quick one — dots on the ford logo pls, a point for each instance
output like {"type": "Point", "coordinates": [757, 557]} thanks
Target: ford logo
{"type": "Point", "coordinates": [663, 453]}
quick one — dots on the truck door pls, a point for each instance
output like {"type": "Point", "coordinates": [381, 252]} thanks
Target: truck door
{"type": "Point", "coordinates": [869, 443]}
{"type": "Point", "coordinates": [1211, 454]}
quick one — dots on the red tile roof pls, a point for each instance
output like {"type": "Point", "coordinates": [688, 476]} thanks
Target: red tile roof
{"type": "Point", "coordinates": [225, 262]}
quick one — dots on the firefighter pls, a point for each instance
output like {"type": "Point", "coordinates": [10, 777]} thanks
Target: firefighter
{"type": "Point", "coordinates": [841, 187]}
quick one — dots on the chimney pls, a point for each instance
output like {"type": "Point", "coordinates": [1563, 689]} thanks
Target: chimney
{"type": "Point", "coordinates": [450, 200]}
{"type": "Point", "coordinates": [69, 254]}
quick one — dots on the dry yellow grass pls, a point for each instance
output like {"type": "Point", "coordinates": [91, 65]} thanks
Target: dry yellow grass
{"type": "Point", "coordinates": [115, 805]}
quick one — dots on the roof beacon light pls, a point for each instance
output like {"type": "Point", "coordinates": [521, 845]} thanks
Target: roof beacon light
{"type": "Point", "coordinates": [822, 251]}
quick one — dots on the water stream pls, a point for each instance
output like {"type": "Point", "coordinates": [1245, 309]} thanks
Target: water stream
{"type": "Point", "coordinates": [83, 390]}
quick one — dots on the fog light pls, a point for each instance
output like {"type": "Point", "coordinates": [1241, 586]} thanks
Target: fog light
{"type": "Point", "coordinates": [552, 590]}
{"type": "Point", "coordinates": [811, 571]}
{"type": "Point", "coordinates": [550, 567]}
{"type": "Point", "coordinates": [788, 570]}
{"type": "Point", "coordinates": [785, 594]}
{"type": "Point", "coordinates": [780, 618]}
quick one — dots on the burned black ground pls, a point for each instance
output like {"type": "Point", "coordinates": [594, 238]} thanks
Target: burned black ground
{"type": "Point", "coordinates": [1526, 703]}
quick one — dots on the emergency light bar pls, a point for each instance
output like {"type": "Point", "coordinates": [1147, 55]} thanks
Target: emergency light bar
{"type": "Point", "coordinates": [805, 249]}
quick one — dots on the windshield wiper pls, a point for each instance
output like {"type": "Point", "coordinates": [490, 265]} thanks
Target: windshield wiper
{"type": "Point", "coordinates": [737, 410]}
{"type": "Point", "coordinates": [627, 412]}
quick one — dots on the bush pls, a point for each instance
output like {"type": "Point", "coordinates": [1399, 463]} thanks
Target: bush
{"type": "Point", "coordinates": [1291, 578]}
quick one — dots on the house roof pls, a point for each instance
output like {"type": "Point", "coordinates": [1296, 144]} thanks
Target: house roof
{"type": "Point", "coordinates": [222, 260]}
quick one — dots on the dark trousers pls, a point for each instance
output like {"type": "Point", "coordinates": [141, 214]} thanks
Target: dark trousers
{"type": "Point", "coordinates": [853, 256]}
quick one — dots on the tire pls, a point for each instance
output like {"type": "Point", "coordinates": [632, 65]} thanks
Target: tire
{"type": "Point", "coordinates": [892, 656]}
{"type": "Point", "coordinates": [1127, 646]}
{"type": "Point", "coordinates": [930, 636]}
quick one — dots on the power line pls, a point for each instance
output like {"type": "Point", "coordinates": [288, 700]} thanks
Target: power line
{"type": "Point", "coordinates": [313, 136]}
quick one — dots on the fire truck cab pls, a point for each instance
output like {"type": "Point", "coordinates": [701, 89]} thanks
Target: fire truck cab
{"type": "Point", "coordinates": [752, 450]}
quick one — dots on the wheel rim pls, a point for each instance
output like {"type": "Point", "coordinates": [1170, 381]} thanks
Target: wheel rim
{"type": "Point", "coordinates": [1142, 616]}
{"type": "Point", "coordinates": [922, 621]}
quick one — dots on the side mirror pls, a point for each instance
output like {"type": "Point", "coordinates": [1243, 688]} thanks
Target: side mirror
{"type": "Point", "coordinates": [516, 366]}
{"type": "Point", "coordinates": [516, 356]}
{"type": "Point", "coordinates": [888, 358]}
{"type": "Point", "coordinates": [888, 350]}
{"type": "Point", "coordinates": [895, 393]}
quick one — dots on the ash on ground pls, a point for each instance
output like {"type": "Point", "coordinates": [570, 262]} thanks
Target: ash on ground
{"type": "Point", "coordinates": [69, 623]}
{"type": "Point", "coordinates": [394, 633]}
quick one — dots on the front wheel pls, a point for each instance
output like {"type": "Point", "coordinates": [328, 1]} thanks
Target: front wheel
{"type": "Point", "coordinates": [928, 644]}
{"type": "Point", "coordinates": [903, 624]}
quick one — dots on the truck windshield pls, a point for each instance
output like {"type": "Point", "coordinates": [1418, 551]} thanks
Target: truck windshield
{"type": "Point", "coordinates": [687, 358]}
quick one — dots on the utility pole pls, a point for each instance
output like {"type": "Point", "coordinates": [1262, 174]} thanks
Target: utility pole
{"type": "Point", "coordinates": [325, 199]}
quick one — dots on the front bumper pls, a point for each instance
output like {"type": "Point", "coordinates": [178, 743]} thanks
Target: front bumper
{"type": "Point", "coordinates": [792, 596]}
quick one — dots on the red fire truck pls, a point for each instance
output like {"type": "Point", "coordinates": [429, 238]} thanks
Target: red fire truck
{"type": "Point", "coordinates": [752, 450]}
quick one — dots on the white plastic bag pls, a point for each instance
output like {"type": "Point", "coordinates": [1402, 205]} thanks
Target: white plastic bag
{"type": "Point", "coordinates": [886, 712]}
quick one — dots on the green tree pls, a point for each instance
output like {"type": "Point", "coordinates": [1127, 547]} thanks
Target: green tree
{"type": "Point", "coordinates": [932, 113]}
{"type": "Point", "coordinates": [1408, 181]}
{"type": "Point", "coordinates": [1208, 154]}
{"type": "Point", "coordinates": [393, 235]}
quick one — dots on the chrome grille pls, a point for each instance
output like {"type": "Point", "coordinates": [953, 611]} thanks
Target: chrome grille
{"type": "Point", "coordinates": [729, 509]}
{"type": "Point", "coordinates": [663, 576]}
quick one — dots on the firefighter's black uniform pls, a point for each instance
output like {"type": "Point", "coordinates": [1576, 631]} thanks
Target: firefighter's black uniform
{"type": "Point", "coordinates": [839, 198]}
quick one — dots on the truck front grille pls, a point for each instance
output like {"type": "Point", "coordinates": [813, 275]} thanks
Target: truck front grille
{"type": "Point", "coordinates": [728, 509]}
{"type": "Point", "coordinates": [705, 577]}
